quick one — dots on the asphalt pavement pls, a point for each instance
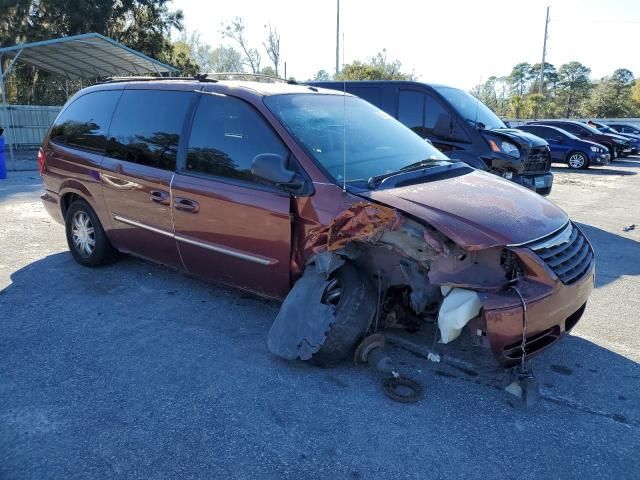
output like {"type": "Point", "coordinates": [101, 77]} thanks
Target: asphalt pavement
{"type": "Point", "coordinates": [137, 371]}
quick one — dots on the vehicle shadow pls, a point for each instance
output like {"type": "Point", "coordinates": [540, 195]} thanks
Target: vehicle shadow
{"type": "Point", "coordinates": [596, 171]}
{"type": "Point", "coordinates": [613, 254]}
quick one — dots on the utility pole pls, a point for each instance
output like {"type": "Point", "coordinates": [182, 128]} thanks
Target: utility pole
{"type": "Point", "coordinates": [544, 51]}
{"type": "Point", "coordinates": [338, 38]}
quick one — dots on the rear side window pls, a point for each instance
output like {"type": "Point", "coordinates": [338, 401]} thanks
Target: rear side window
{"type": "Point", "coordinates": [146, 127]}
{"type": "Point", "coordinates": [85, 122]}
{"type": "Point", "coordinates": [576, 130]}
{"type": "Point", "coordinates": [226, 135]}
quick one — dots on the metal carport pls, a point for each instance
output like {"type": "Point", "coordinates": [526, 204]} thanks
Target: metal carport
{"type": "Point", "coordinates": [85, 56]}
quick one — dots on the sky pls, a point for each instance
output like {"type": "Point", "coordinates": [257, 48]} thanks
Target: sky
{"type": "Point", "coordinates": [453, 42]}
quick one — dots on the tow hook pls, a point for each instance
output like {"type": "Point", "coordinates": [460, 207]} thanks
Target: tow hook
{"type": "Point", "coordinates": [399, 388]}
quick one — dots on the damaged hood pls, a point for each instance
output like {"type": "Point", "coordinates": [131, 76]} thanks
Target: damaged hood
{"type": "Point", "coordinates": [478, 210]}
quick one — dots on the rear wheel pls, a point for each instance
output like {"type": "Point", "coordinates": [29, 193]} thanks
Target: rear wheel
{"type": "Point", "coordinates": [87, 241]}
{"type": "Point", "coordinates": [577, 161]}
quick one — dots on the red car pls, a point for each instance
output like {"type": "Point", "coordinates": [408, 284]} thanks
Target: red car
{"type": "Point", "coordinates": [298, 192]}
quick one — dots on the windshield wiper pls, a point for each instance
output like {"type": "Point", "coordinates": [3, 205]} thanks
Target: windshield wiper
{"type": "Point", "coordinates": [373, 182]}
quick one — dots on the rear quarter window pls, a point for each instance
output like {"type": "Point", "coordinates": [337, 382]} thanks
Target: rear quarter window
{"type": "Point", "coordinates": [146, 127]}
{"type": "Point", "coordinates": [85, 122]}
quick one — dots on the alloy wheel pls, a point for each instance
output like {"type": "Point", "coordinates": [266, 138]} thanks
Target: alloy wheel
{"type": "Point", "coordinates": [83, 233]}
{"type": "Point", "coordinates": [577, 161]}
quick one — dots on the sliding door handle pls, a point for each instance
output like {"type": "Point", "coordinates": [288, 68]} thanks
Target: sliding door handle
{"type": "Point", "coordinates": [186, 205]}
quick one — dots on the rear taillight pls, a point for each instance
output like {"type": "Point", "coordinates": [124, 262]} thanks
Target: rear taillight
{"type": "Point", "coordinates": [42, 161]}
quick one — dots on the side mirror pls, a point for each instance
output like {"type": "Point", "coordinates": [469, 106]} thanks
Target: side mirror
{"type": "Point", "coordinates": [443, 128]}
{"type": "Point", "coordinates": [272, 167]}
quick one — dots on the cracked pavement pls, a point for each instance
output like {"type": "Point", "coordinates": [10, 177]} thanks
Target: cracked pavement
{"type": "Point", "coordinates": [137, 371]}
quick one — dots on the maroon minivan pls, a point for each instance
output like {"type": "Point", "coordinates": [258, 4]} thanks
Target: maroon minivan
{"type": "Point", "coordinates": [293, 191]}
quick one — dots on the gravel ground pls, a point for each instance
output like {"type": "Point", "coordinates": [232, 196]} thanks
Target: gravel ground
{"type": "Point", "coordinates": [137, 371]}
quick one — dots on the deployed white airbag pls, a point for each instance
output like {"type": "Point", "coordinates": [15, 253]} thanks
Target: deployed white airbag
{"type": "Point", "coordinates": [458, 307]}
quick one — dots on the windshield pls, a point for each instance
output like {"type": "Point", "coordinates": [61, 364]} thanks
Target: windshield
{"type": "Point", "coordinates": [376, 143]}
{"type": "Point", "coordinates": [472, 110]}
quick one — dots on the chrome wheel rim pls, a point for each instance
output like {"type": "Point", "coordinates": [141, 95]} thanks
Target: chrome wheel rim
{"type": "Point", "coordinates": [576, 161]}
{"type": "Point", "coordinates": [83, 233]}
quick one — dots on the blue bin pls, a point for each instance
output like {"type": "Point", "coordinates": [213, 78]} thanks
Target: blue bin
{"type": "Point", "coordinates": [3, 160]}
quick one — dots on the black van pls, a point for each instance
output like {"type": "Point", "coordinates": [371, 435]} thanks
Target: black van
{"type": "Point", "coordinates": [461, 126]}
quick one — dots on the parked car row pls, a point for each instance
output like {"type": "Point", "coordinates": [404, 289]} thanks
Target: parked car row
{"type": "Point", "coordinates": [581, 145]}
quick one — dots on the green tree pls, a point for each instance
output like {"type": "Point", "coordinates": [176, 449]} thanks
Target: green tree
{"type": "Point", "coordinates": [376, 68]}
{"type": "Point", "coordinates": [182, 58]}
{"type": "Point", "coordinates": [574, 86]}
{"type": "Point", "coordinates": [520, 77]}
{"type": "Point", "coordinates": [321, 76]}
{"type": "Point", "coordinates": [635, 93]}
{"type": "Point", "coordinates": [269, 70]}
{"type": "Point", "coordinates": [225, 59]}
{"type": "Point", "coordinates": [549, 78]}
{"type": "Point", "coordinates": [611, 97]}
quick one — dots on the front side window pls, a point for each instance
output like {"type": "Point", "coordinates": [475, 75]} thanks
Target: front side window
{"type": "Point", "coordinates": [347, 134]}
{"type": "Point", "coordinates": [146, 127]}
{"type": "Point", "coordinates": [85, 122]}
{"type": "Point", "coordinates": [226, 135]}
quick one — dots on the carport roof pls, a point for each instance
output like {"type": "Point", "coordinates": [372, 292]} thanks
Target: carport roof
{"type": "Point", "coordinates": [89, 55]}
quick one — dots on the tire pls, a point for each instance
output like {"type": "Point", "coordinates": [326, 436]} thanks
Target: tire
{"type": "Point", "coordinates": [354, 313]}
{"type": "Point", "coordinates": [87, 241]}
{"type": "Point", "coordinates": [577, 161]}
{"type": "Point", "coordinates": [612, 153]}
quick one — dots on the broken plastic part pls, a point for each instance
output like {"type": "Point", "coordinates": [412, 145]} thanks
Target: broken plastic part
{"type": "Point", "coordinates": [458, 307]}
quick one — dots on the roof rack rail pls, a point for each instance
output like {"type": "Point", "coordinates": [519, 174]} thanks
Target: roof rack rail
{"type": "Point", "coordinates": [258, 76]}
{"type": "Point", "coordinates": [152, 78]}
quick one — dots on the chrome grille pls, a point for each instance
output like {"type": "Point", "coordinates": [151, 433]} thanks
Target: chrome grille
{"type": "Point", "coordinates": [566, 252]}
{"type": "Point", "coordinates": [538, 160]}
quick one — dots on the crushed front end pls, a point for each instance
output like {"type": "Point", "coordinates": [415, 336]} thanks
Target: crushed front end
{"type": "Point", "coordinates": [516, 300]}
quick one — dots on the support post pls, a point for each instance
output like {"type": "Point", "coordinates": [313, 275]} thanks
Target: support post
{"type": "Point", "coordinates": [6, 114]}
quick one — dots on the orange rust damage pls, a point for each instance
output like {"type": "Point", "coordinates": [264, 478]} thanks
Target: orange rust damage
{"type": "Point", "coordinates": [362, 222]}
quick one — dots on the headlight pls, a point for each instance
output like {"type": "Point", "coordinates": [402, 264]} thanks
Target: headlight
{"type": "Point", "coordinates": [620, 142]}
{"type": "Point", "coordinates": [595, 149]}
{"type": "Point", "coordinates": [504, 147]}
{"type": "Point", "coordinates": [510, 149]}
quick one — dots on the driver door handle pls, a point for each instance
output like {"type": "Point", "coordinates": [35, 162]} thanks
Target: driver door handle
{"type": "Point", "coordinates": [186, 205]}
